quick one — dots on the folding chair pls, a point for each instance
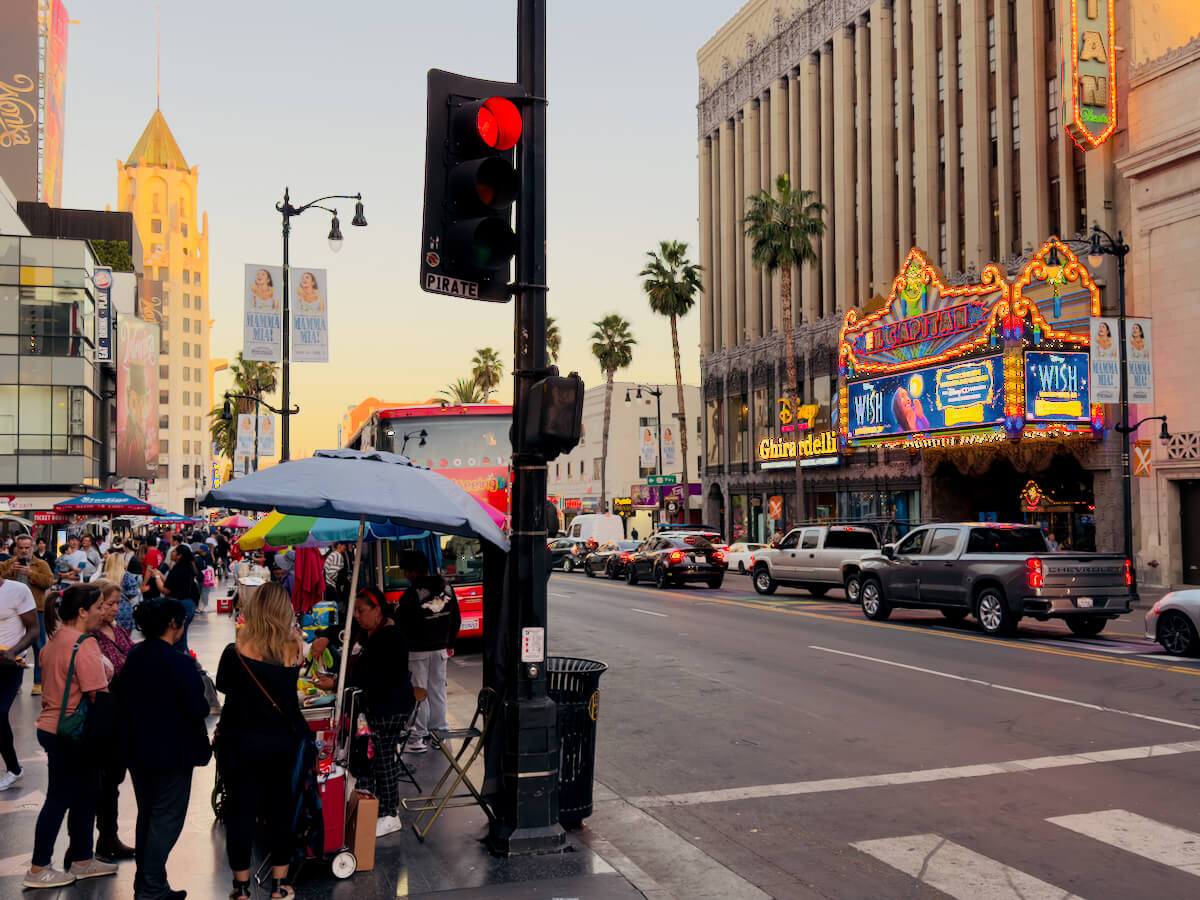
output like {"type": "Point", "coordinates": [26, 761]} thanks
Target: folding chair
{"type": "Point", "coordinates": [406, 773]}
{"type": "Point", "coordinates": [443, 796]}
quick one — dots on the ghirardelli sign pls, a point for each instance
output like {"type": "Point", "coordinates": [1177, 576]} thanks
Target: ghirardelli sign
{"type": "Point", "coordinates": [19, 97]}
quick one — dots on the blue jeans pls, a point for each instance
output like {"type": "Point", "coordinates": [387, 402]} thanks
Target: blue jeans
{"type": "Point", "coordinates": [73, 783]}
{"type": "Point", "coordinates": [189, 609]}
{"type": "Point", "coordinates": [37, 648]}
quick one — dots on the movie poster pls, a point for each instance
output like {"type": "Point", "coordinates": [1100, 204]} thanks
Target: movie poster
{"type": "Point", "coordinates": [137, 398]}
{"type": "Point", "coordinates": [1139, 368]}
{"type": "Point", "coordinates": [262, 332]}
{"type": "Point", "coordinates": [310, 315]}
{"type": "Point", "coordinates": [19, 106]}
{"type": "Point", "coordinates": [1056, 387]}
{"type": "Point", "coordinates": [1105, 362]}
{"type": "Point", "coordinates": [55, 97]}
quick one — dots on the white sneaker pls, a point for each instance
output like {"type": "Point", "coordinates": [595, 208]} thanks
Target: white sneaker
{"type": "Point", "coordinates": [8, 779]}
{"type": "Point", "coordinates": [93, 868]}
{"type": "Point", "coordinates": [49, 877]}
{"type": "Point", "coordinates": [388, 825]}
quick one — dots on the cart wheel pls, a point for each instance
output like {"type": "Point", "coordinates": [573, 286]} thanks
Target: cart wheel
{"type": "Point", "coordinates": [343, 864]}
{"type": "Point", "coordinates": [218, 800]}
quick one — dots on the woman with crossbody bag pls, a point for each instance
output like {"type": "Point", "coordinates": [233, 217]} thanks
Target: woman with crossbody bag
{"type": "Point", "coordinates": [73, 673]}
{"type": "Point", "coordinates": [259, 737]}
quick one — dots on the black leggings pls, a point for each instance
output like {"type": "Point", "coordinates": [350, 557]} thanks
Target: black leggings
{"type": "Point", "coordinates": [74, 780]}
{"type": "Point", "coordinates": [263, 788]}
{"type": "Point", "coordinates": [10, 686]}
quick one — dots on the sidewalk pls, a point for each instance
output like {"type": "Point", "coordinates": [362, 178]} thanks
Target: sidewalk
{"type": "Point", "coordinates": [453, 862]}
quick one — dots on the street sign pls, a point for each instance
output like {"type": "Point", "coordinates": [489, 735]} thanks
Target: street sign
{"type": "Point", "coordinates": [660, 480]}
{"type": "Point", "coordinates": [1141, 459]}
{"type": "Point", "coordinates": [775, 507]}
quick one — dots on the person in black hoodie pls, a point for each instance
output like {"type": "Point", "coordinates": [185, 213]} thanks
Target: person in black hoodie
{"type": "Point", "coordinates": [161, 709]}
{"type": "Point", "coordinates": [428, 614]}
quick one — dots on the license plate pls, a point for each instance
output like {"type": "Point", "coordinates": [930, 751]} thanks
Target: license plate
{"type": "Point", "coordinates": [469, 625]}
{"type": "Point", "coordinates": [1084, 602]}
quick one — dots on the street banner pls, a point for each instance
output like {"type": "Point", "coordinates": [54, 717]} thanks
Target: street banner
{"type": "Point", "coordinates": [1141, 459]}
{"type": "Point", "coordinates": [1139, 368]}
{"type": "Point", "coordinates": [240, 465]}
{"type": "Point", "coordinates": [55, 97]}
{"type": "Point", "coordinates": [1106, 369]}
{"type": "Point", "coordinates": [266, 436]}
{"type": "Point", "coordinates": [649, 451]}
{"type": "Point", "coordinates": [668, 438]}
{"type": "Point", "coordinates": [19, 76]}
{"type": "Point", "coordinates": [137, 398]}
{"type": "Point", "coordinates": [102, 278]}
{"type": "Point", "coordinates": [310, 316]}
{"type": "Point", "coordinates": [262, 331]}
{"type": "Point", "coordinates": [775, 507]}
{"type": "Point", "coordinates": [245, 435]}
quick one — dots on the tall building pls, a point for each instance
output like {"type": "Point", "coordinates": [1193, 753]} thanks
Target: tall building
{"type": "Point", "coordinates": [156, 184]}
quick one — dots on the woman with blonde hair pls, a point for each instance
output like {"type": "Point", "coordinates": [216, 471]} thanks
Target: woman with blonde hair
{"type": "Point", "coordinates": [261, 732]}
{"type": "Point", "coordinates": [116, 573]}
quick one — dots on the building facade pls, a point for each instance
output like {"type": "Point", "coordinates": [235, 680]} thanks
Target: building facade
{"type": "Point", "coordinates": [917, 123]}
{"type": "Point", "coordinates": [158, 187]}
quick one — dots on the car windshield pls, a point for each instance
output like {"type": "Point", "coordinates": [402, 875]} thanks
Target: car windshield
{"type": "Point", "coordinates": [1006, 540]}
{"type": "Point", "coordinates": [628, 545]}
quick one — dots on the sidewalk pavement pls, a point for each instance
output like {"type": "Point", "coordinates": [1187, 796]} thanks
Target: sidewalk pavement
{"type": "Point", "coordinates": [453, 862]}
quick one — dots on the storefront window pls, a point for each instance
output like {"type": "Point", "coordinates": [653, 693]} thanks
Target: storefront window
{"type": "Point", "coordinates": [739, 438]}
{"type": "Point", "coordinates": [713, 420]}
{"type": "Point", "coordinates": [762, 415]}
{"type": "Point", "coordinates": [822, 395]}
{"type": "Point", "coordinates": [737, 525]}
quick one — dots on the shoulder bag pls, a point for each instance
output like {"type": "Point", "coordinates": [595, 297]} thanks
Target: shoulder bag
{"type": "Point", "coordinates": [71, 725]}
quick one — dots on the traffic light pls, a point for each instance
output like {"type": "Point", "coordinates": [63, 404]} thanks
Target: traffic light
{"type": "Point", "coordinates": [553, 414]}
{"type": "Point", "coordinates": [471, 183]}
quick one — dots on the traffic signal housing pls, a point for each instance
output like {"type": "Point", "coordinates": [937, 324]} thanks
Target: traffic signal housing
{"type": "Point", "coordinates": [471, 184]}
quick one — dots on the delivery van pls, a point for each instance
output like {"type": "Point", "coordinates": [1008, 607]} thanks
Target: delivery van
{"type": "Point", "coordinates": [598, 527]}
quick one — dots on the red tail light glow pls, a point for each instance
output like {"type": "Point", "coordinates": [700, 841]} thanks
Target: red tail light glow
{"type": "Point", "coordinates": [1128, 575]}
{"type": "Point", "coordinates": [624, 557]}
{"type": "Point", "coordinates": [1033, 573]}
{"type": "Point", "coordinates": [717, 555]}
{"type": "Point", "coordinates": [676, 556]}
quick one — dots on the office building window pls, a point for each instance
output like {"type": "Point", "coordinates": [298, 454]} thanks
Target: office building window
{"type": "Point", "coordinates": [991, 43]}
{"type": "Point", "coordinates": [196, 279]}
{"type": "Point", "coordinates": [962, 149]}
{"type": "Point", "coordinates": [187, 374]}
{"type": "Point", "coordinates": [164, 372]}
{"type": "Point", "coordinates": [596, 464]}
{"type": "Point", "coordinates": [713, 417]}
{"type": "Point", "coordinates": [164, 348]}
{"type": "Point", "coordinates": [186, 470]}
{"type": "Point", "coordinates": [187, 446]}
{"type": "Point", "coordinates": [1055, 207]}
{"type": "Point", "coordinates": [568, 468]}
{"type": "Point", "coordinates": [183, 230]}
{"type": "Point", "coordinates": [164, 398]}
{"type": "Point", "coordinates": [164, 422]}
{"type": "Point", "coordinates": [993, 137]}
{"type": "Point", "coordinates": [196, 350]}
{"type": "Point", "coordinates": [1016, 123]}
{"type": "Point", "coordinates": [187, 277]}
{"type": "Point", "coordinates": [156, 226]}
{"type": "Point", "coordinates": [187, 301]}
{"type": "Point", "coordinates": [1017, 219]}
{"type": "Point", "coordinates": [196, 326]}
{"type": "Point", "coordinates": [187, 326]}
{"type": "Point", "coordinates": [1052, 101]}
{"type": "Point", "coordinates": [187, 398]}
{"type": "Point", "coordinates": [958, 63]}
{"type": "Point", "coordinates": [942, 261]}
{"type": "Point", "coordinates": [187, 349]}
{"type": "Point", "coordinates": [197, 423]}
{"type": "Point", "coordinates": [195, 398]}
{"type": "Point", "coordinates": [941, 76]}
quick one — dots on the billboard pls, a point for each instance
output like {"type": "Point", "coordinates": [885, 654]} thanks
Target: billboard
{"type": "Point", "coordinates": [262, 331]}
{"type": "Point", "coordinates": [1056, 387]}
{"type": "Point", "coordinates": [310, 316]}
{"type": "Point", "coordinates": [19, 97]}
{"type": "Point", "coordinates": [137, 398]}
{"type": "Point", "coordinates": [55, 97]}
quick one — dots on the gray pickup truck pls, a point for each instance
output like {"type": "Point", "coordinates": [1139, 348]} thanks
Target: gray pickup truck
{"type": "Point", "coordinates": [815, 558]}
{"type": "Point", "coordinates": [997, 573]}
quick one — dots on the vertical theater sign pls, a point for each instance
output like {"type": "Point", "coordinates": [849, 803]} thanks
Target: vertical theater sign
{"type": "Point", "coordinates": [942, 365]}
{"type": "Point", "coordinates": [1089, 70]}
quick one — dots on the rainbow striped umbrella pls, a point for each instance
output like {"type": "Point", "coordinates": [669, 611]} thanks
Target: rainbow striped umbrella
{"type": "Point", "coordinates": [276, 531]}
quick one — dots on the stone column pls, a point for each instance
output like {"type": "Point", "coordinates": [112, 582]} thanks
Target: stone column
{"type": "Point", "coordinates": [729, 233]}
{"type": "Point", "coordinates": [738, 335]}
{"type": "Point", "coordinates": [1005, 188]}
{"type": "Point", "coordinates": [828, 276]}
{"type": "Point", "coordinates": [882, 128]}
{"type": "Point", "coordinates": [751, 178]}
{"type": "Point", "coordinates": [782, 143]}
{"type": "Point", "coordinates": [925, 111]}
{"type": "Point", "coordinates": [809, 133]}
{"type": "Point", "coordinates": [905, 214]}
{"type": "Point", "coordinates": [977, 177]}
{"type": "Point", "coordinates": [1066, 183]}
{"type": "Point", "coordinates": [843, 167]}
{"type": "Point", "coordinates": [1031, 89]}
{"type": "Point", "coordinates": [706, 254]}
{"type": "Point", "coordinates": [1099, 185]}
{"type": "Point", "coordinates": [766, 181]}
{"type": "Point", "coordinates": [950, 123]}
{"type": "Point", "coordinates": [862, 175]}
{"type": "Point", "coordinates": [714, 240]}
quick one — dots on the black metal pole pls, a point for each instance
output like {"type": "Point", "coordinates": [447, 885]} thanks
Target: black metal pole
{"type": "Point", "coordinates": [1119, 251]}
{"type": "Point", "coordinates": [256, 411]}
{"type": "Point", "coordinates": [662, 488]}
{"type": "Point", "coordinates": [528, 813]}
{"type": "Point", "coordinates": [285, 448]}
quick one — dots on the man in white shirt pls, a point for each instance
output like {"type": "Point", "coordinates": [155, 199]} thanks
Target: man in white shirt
{"type": "Point", "coordinates": [18, 630]}
{"type": "Point", "coordinates": [95, 560]}
{"type": "Point", "coordinates": [74, 563]}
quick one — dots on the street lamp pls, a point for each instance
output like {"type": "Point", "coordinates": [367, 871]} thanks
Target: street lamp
{"type": "Point", "coordinates": [227, 415]}
{"type": "Point", "coordinates": [335, 243]}
{"type": "Point", "coordinates": [422, 434]}
{"type": "Point", "coordinates": [656, 393]}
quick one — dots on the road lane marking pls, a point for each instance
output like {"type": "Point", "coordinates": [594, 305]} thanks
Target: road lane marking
{"type": "Point", "coordinates": [919, 776]}
{"type": "Point", "coordinates": [647, 612]}
{"type": "Point", "coordinates": [1007, 688]}
{"type": "Point", "coordinates": [1153, 840]}
{"type": "Point", "coordinates": [958, 871]}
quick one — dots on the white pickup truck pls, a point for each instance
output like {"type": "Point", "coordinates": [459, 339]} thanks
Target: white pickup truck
{"type": "Point", "coordinates": [815, 558]}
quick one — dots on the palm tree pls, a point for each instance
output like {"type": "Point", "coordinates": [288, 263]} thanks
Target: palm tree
{"type": "Point", "coordinates": [783, 229]}
{"type": "Point", "coordinates": [553, 339]}
{"type": "Point", "coordinates": [486, 369]}
{"type": "Point", "coordinates": [252, 378]}
{"type": "Point", "coordinates": [672, 282]}
{"type": "Point", "coordinates": [462, 391]}
{"type": "Point", "coordinates": [612, 345]}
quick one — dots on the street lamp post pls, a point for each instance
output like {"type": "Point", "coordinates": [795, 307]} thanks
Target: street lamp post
{"type": "Point", "coordinates": [656, 393]}
{"type": "Point", "coordinates": [227, 415]}
{"type": "Point", "coordinates": [287, 211]}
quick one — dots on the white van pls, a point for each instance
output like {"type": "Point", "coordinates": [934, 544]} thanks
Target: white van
{"type": "Point", "coordinates": [598, 527]}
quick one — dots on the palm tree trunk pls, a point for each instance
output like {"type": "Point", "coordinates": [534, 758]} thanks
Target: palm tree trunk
{"type": "Point", "coordinates": [604, 441]}
{"type": "Point", "coordinates": [683, 420]}
{"type": "Point", "coordinates": [785, 289]}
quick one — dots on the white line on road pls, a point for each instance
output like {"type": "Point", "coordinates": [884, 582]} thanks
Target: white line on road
{"type": "Point", "coordinates": [919, 776]}
{"type": "Point", "coordinates": [1010, 690]}
{"type": "Point", "coordinates": [647, 612]}
{"type": "Point", "coordinates": [958, 871]}
{"type": "Point", "coordinates": [1120, 828]}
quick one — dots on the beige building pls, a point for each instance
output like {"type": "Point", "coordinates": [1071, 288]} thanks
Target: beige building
{"type": "Point", "coordinates": [156, 184]}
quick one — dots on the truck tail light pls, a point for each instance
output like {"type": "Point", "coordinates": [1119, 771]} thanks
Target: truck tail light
{"type": "Point", "coordinates": [676, 556]}
{"type": "Point", "coordinates": [1128, 575]}
{"type": "Point", "coordinates": [1033, 573]}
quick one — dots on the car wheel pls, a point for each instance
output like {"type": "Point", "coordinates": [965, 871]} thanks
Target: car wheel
{"type": "Point", "coordinates": [611, 571]}
{"type": "Point", "coordinates": [568, 565]}
{"type": "Point", "coordinates": [661, 579]}
{"type": "Point", "coordinates": [853, 586]}
{"type": "Point", "coordinates": [1177, 634]}
{"type": "Point", "coordinates": [741, 568]}
{"type": "Point", "coordinates": [630, 574]}
{"type": "Point", "coordinates": [763, 582]}
{"type": "Point", "coordinates": [954, 615]}
{"type": "Point", "coordinates": [816, 590]}
{"type": "Point", "coordinates": [1086, 626]}
{"type": "Point", "coordinates": [587, 570]}
{"type": "Point", "coordinates": [715, 581]}
{"type": "Point", "coordinates": [874, 604]}
{"type": "Point", "coordinates": [993, 614]}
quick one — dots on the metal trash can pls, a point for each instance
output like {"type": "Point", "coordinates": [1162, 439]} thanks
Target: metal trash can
{"type": "Point", "coordinates": [574, 685]}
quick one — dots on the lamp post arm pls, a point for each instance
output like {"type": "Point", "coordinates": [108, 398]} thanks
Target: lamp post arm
{"type": "Point", "coordinates": [288, 210]}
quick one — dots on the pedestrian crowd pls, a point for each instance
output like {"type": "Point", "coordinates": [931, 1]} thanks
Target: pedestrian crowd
{"type": "Point", "coordinates": [113, 706]}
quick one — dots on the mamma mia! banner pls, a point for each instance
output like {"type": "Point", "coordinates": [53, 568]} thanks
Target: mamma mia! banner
{"type": "Point", "coordinates": [310, 316]}
{"type": "Point", "coordinates": [262, 333]}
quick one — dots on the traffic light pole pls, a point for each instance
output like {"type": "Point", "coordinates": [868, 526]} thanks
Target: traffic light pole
{"type": "Point", "coordinates": [528, 808]}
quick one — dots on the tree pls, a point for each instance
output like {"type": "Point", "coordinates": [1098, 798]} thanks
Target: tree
{"type": "Point", "coordinates": [486, 369]}
{"type": "Point", "coordinates": [251, 378]}
{"type": "Point", "coordinates": [672, 282]}
{"type": "Point", "coordinates": [612, 345]}
{"type": "Point", "coordinates": [114, 254]}
{"type": "Point", "coordinates": [462, 391]}
{"type": "Point", "coordinates": [782, 230]}
{"type": "Point", "coordinates": [553, 339]}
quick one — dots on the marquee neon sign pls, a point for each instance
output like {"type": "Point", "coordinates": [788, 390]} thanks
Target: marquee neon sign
{"type": "Point", "coordinates": [1089, 70]}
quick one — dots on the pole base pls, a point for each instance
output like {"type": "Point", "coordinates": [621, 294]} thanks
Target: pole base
{"type": "Point", "coordinates": [528, 841]}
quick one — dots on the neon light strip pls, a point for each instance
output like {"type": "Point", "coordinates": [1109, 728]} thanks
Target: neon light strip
{"type": "Point", "coordinates": [1083, 138]}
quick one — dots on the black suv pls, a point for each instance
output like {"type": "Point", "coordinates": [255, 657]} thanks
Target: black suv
{"type": "Point", "coordinates": [674, 559]}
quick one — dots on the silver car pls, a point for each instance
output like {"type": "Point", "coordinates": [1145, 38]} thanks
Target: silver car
{"type": "Point", "coordinates": [1174, 622]}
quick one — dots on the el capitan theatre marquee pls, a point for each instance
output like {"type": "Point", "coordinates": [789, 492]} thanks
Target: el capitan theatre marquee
{"type": "Point", "coordinates": [942, 365]}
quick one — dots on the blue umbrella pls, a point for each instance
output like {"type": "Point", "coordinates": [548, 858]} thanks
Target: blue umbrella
{"type": "Point", "coordinates": [109, 503]}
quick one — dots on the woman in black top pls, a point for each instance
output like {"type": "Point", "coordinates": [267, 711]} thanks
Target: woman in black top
{"type": "Point", "coordinates": [260, 735]}
{"type": "Point", "coordinates": [180, 583]}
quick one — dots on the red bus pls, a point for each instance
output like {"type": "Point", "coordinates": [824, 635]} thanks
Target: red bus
{"type": "Point", "coordinates": [467, 444]}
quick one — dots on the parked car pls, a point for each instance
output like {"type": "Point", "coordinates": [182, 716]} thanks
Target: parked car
{"type": "Point", "coordinates": [675, 559]}
{"type": "Point", "coordinates": [709, 534]}
{"type": "Point", "coordinates": [998, 573]}
{"type": "Point", "coordinates": [1174, 622]}
{"type": "Point", "coordinates": [597, 527]}
{"type": "Point", "coordinates": [739, 553]}
{"type": "Point", "coordinates": [815, 558]}
{"type": "Point", "coordinates": [609, 559]}
{"type": "Point", "coordinates": [568, 553]}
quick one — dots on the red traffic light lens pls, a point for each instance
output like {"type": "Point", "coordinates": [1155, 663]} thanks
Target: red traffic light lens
{"type": "Point", "coordinates": [499, 123]}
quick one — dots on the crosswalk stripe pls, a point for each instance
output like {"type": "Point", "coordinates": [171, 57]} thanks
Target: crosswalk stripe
{"type": "Point", "coordinates": [1153, 840]}
{"type": "Point", "coordinates": [957, 871]}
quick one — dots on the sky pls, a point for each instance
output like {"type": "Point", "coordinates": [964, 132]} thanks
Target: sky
{"type": "Point", "coordinates": [330, 99]}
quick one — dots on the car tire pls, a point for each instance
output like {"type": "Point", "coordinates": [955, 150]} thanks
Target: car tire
{"type": "Point", "coordinates": [763, 582]}
{"type": "Point", "coordinates": [662, 580]}
{"type": "Point", "coordinates": [568, 565]}
{"type": "Point", "coordinates": [1087, 626]}
{"type": "Point", "coordinates": [587, 570]}
{"type": "Point", "coordinates": [954, 615]}
{"type": "Point", "coordinates": [1177, 634]}
{"type": "Point", "coordinates": [741, 568]}
{"type": "Point", "coordinates": [992, 613]}
{"type": "Point", "coordinates": [871, 599]}
{"type": "Point", "coordinates": [853, 586]}
{"type": "Point", "coordinates": [816, 590]}
{"type": "Point", "coordinates": [611, 571]}
{"type": "Point", "coordinates": [630, 574]}
{"type": "Point", "coordinates": [715, 581]}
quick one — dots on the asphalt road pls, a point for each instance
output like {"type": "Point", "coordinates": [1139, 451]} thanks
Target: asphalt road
{"type": "Point", "coordinates": [785, 746]}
